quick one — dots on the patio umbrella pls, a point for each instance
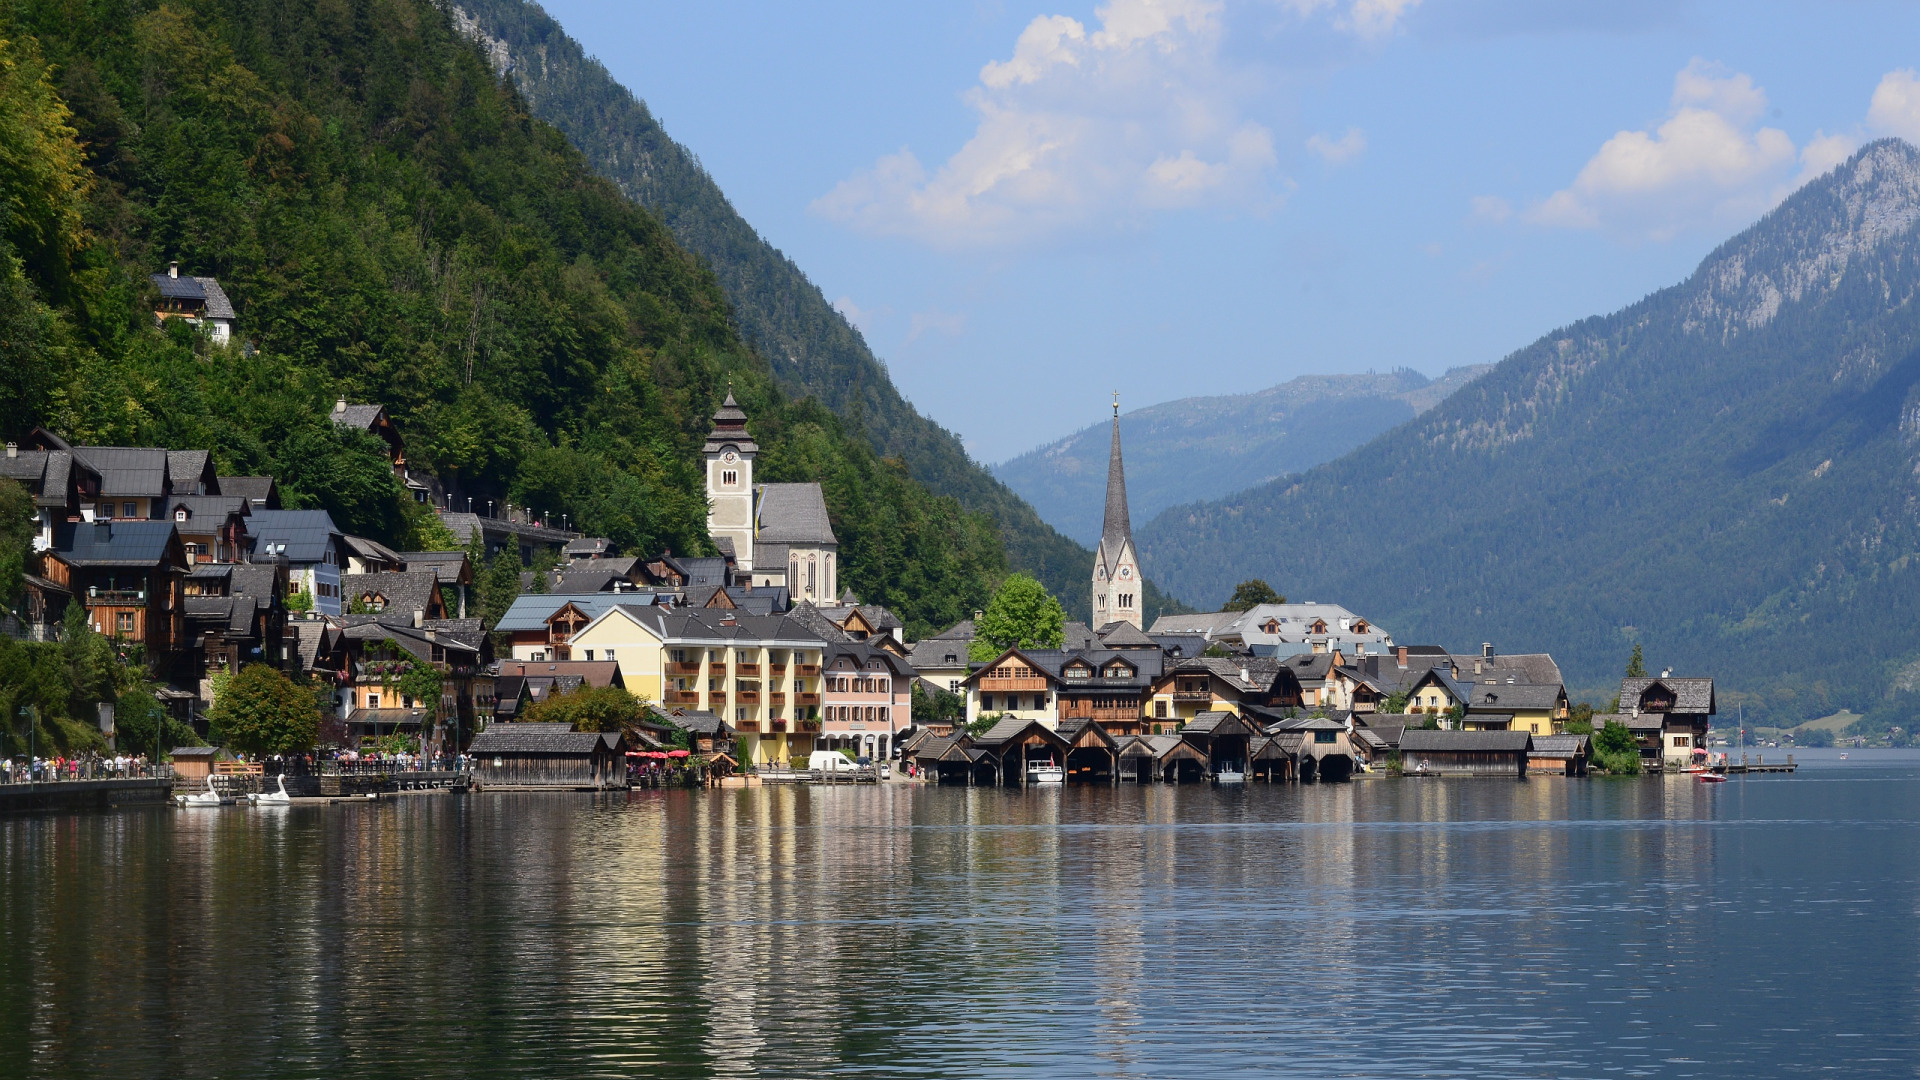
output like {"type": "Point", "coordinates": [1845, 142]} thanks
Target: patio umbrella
{"type": "Point", "coordinates": [676, 753]}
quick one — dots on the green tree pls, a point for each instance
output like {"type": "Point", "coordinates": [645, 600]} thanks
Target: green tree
{"type": "Point", "coordinates": [1020, 615]}
{"type": "Point", "coordinates": [1580, 718]}
{"type": "Point", "coordinates": [592, 708]}
{"type": "Point", "coordinates": [261, 711]}
{"type": "Point", "coordinates": [143, 726]}
{"type": "Point", "coordinates": [1615, 750]}
{"type": "Point", "coordinates": [932, 706]}
{"type": "Point", "coordinates": [16, 535]}
{"type": "Point", "coordinates": [1251, 593]}
{"type": "Point", "coordinates": [1636, 664]}
{"type": "Point", "coordinates": [92, 664]}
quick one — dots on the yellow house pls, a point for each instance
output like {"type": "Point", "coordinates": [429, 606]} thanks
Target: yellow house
{"type": "Point", "coordinates": [759, 673]}
{"type": "Point", "coordinates": [1535, 708]}
{"type": "Point", "coordinates": [1436, 693]}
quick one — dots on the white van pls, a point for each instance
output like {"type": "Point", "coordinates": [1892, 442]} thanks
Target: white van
{"type": "Point", "coordinates": [827, 761]}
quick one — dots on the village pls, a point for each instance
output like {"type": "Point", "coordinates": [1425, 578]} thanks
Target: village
{"type": "Point", "coordinates": [754, 659]}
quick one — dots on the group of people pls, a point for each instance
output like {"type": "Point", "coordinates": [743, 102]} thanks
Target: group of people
{"type": "Point", "coordinates": [92, 767]}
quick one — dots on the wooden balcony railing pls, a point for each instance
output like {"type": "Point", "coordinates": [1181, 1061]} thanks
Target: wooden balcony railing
{"type": "Point", "coordinates": [682, 668]}
{"type": "Point", "coordinates": [806, 671]}
{"type": "Point", "coordinates": [806, 699]}
{"type": "Point", "coordinates": [777, 698]}
{"type": "Point", "coordinates": [746, 671]}
{"type": "Point", "coordinates": [746, 697]}
{"type": "Point", "coordinates": [717, 669]}
{"type": "Point", "coordinates": [776, 671]}
{"type": "Point", "coordinates": [682, 697]}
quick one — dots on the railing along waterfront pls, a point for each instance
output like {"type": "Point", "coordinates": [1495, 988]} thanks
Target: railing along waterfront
{"type": "Point", "coordinates": [51, 771]}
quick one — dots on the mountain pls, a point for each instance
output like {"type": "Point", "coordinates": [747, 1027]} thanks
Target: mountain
{"type": "Point", "coordinates": [392, 226]}
{"type": "Point", "coordinates": [1727, 472]}
{"type": "Point", "coordinates": [1208, 447]}
{"type": "Point", "coordinates": [814, 351]}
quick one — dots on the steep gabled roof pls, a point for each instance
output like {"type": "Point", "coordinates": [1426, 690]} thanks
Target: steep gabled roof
{"type": "Point", "coordinates": [137, 471]}
{"type": "Point", "coordinates": [1690, 695]}
{"type": "Point", "coordinates": [793, 514]}
{"type": "Point", "coordinates": [306, 533]}
{"type": "Point", "coordinates": [118, 543]}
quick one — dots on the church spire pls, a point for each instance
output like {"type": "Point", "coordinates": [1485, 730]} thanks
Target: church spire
{"type": "Point", "coordinates": [1118, 528]}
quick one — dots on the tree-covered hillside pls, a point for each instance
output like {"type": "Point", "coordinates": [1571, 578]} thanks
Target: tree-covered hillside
{"type": "Point", "coordinates": [393, 227]}
{"type": "Point", "coordinates": [1727, 472]}
{"type": "Point", "coordinates": [813, 349]}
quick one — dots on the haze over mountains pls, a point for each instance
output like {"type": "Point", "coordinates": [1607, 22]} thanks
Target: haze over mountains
{"type": "Point", "coordinates": [1208, 447]}
{"type": "Point", "coordinates": [1727, 472]}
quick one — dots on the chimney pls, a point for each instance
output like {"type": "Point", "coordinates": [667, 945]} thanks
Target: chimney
{"type": "Point", "coordinates": [13, 449]}
{"type": "Point", "coordinates": [173, 269]}
{"type": "Point", "coordinates": [419, 618]}
{"type": "Point", "coordinates": [1486, 649]}
{"type": "Point", "coordinates": [1403, 658]}
{"type": "Point", "coordinates": [340, 405]}
{"type": "Point", "coordinates": [1477, 663]}
{"type": "Point", "coordinates": [1244, 677]}
{"type": "Point", "coordinates": [977, 613]}
{"type": "Point", "coordinates": [432, 634]}
{"type": "Point", "coordinates": [1666, 673]}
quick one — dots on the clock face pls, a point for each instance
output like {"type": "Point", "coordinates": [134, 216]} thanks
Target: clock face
{"type": "Point", "coordinates": [730, 457]}
{"type": "Point", "coordinates": [1126, 572]}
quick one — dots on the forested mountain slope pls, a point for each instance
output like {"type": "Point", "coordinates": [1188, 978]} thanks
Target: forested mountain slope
{"type": "Point", "coordinates": [1209, 447]}
{"type": "Point", "coordinates": [1724, 471]}
{"type": "Point", "coordinates": [393, 227]}
{"type": "Point", "coordinates": [813, 350]}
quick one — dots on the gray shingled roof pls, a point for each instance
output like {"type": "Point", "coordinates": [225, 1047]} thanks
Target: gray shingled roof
{"type": "Point", "coordinates": [794, 514]}
{"type": "Point", "coordinates": [404, 593]}
{"type": "Point", "coordinates": [43, 472]}
{"type": "Point", "coordinates": [937, 653]}
{"type": "Point", "coordinates": [1418, 740]}
{"type": "Point", "coordinates": [258, 490]}
{"type": "Point", "coordinates": [518, 739]}
{"type": "Point", "coordinates": [117, 543]}
{"type": "Point", "coordinates": [138, 471]}
{"type": "Point", "coordinates": [187, 468]}
{"type": "Point", "coordinates": [445, 565]}
{"type": "Point", "coordinates": [358, 417]}
{"type": "Point", "coordinates": [1690, 695]}
{"type": "Point", "coordinates": [218, 306]}
{"type": "Point", "coordinates": [1559, 745]}
{"type": "Point", "coordinates": [305, 533]}
{"type": "Point", "coordinates": [1507, 696]}
{"type": "Point", "coordinates": [361, 547]}
{"type": "Point", "coordinates": [209, 511]}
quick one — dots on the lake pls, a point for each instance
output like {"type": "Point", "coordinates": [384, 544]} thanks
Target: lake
{"type": "Point", "coordinates": [1435, 928]}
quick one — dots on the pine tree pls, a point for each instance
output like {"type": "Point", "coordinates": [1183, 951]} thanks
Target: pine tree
{"type": "Point", "coordinates": [1636, 664]}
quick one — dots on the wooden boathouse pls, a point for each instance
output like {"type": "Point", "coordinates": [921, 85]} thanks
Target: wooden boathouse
{"type": "Point", "coordinates": [548, 757]}
{"type": "Point", "coordinates": [1465, 753]}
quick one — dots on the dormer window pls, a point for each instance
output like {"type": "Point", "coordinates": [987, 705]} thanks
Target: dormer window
{"type": "Point", "coordinates": [179, 515]}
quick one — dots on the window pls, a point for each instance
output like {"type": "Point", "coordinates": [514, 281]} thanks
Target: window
{"type": "Point", "coordinates": [373, 700]}
{"type": "Point", "coordinates": [740, 715]}
{"type": "Point", "coordinates": [1159, 710]}
{"type": "Point", "coordinates": [123, 622]}
{"type": "Point", "coordinates": [589, 654]}
{"type": "Point", "coordinates": [608, 654]}
{"type": "Point", "coordinates": [539, 655]}
{"type": "Point", "coordinates": [953, 686]}
{"type": "Point", "coordinates": [986, 702]}
{"type": "Point", "coordinates": [729, 477]}
{"type": "Point", "coordinates": [179, 515]}
{"type": "Point", "coordinates": [129, 510]}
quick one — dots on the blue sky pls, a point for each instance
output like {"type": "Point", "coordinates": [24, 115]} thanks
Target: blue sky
{"type": "Point", "coordinates": [1026, 205]}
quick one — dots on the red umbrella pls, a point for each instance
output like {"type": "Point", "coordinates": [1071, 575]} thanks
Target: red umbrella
{"type": "Point", "coordinates": [676, 753]}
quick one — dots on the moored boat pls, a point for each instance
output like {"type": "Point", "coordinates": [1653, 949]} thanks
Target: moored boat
{"type": "Point", "coordinates": [1045, 772]}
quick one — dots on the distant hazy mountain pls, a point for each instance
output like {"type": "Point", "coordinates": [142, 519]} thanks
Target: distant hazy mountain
{"type": "Point", "coordinates": [1206, 447]}
{"type": "Point", "coordinates": [1727, 472]}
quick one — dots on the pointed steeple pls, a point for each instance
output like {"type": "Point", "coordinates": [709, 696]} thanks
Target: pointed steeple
{"type": "Point", "coordinates": [1117, 528]}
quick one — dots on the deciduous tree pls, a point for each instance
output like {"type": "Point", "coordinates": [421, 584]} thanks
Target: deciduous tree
{"type": "Point", "coordinates": [1021, 615]}
{"type": "Point", "coordinates": [261, 711]}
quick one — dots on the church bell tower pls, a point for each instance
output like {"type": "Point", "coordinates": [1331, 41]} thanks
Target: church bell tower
{"type": "Point", "coordinates": [729, 452]}
{"type": "Point", "coordinates": [1116, 569]}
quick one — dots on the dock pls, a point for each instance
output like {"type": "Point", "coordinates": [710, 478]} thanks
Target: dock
{"type": "Point", "coordinates": [1759, 764]}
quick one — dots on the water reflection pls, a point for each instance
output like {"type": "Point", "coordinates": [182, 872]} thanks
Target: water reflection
{"type": "Point", "coordinates": [1438, 928]}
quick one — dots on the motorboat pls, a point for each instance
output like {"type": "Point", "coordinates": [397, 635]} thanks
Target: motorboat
{"type": "Point", "coordinates": [1711, 778]}
{"type": "Point", "coordinates": [273, 798]}
{"type": "Point", "coordinates": [1045, 772]}
{"type": "Point", "coordinates": [1230, 774]}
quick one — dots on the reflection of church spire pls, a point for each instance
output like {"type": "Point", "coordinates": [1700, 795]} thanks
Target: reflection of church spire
{"type": "Point", "coordinates": [1117, 529]}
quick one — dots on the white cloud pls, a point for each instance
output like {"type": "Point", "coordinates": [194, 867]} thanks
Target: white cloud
{"type": "Point", "coordinates": [1491, 208]}
{"type": "Point", "coordinates": [1367, 18]}
{"type": "Point", "coordinates": [921, 323]}
{"type": "Point", "coordinates": [1708, 161]}
{"type": "Point", "coordinates": [1342, 150]}
{"type": "Point", "coordinates": [1895, 109]}
{"type": "Point", "coordinates": [1083, 127]}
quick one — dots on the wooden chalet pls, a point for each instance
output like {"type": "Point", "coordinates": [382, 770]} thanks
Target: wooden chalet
{"type": "Point", "coordinates": [129, 575]}
{"type": "Point", "coordinates": [1223, 738]}
{"type": "Point", "coordinates": [1108, 687]}
{"type": "Point", "coordinates": [1015, 743]}
{"type": "Point", "coordinates": [1559, 755]}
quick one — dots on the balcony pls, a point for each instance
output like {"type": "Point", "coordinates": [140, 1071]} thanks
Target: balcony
{"type": "Point", "coordinates": [777, 698]}
{"type": "Point", "coordinates": [746, 671]}
{"type": "Point", "coordinates": [776, 672]}
{"type": "Point", "coordinates": [746, 697]}
{"type": "Point", "coordinates": [779, 724]}
{"type": "Point", "coordinates": [682, 669]}
{"type": "Point", "coordinates": [116, 596]}
{"type": "Point", "coordinates": [717, 669]}
{"type": "Point", "coordinates": [1192, 695]}
{"type": "Point", "coordinates": [682, 697]}
{"type": "Point", "coordinates": [806, 671]}
{"type": "Point", "coordinates": [806, 699]}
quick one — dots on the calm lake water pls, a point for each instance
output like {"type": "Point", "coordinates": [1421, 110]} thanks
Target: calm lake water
{"type": "Point", "coordinates": [1764, 927]}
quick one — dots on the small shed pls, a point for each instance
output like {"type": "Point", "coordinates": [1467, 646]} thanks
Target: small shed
{"type": "Point", "coordinates": [548, 756]}
{"type": "Point", "coordinates": [1465, 753]}
{"type": "Point", "coordinates": [1559, 755]}
{"type": "Point", "coordinates": [194, 762]}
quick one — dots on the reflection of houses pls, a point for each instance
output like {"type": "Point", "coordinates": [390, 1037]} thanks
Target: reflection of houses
{"type": "Point", "coordinates": [1685, 709]}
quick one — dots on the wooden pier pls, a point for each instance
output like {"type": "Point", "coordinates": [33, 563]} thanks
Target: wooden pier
{"type": "Point", "coordinates": [1757, 765]}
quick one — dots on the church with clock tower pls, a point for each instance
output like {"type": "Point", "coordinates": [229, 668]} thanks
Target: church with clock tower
{"type": "Point", "coordinates": [1116, 568]}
